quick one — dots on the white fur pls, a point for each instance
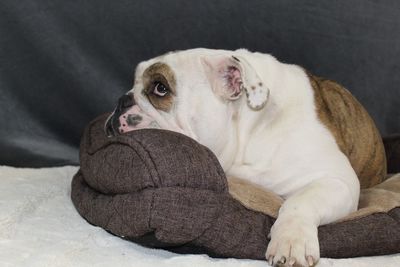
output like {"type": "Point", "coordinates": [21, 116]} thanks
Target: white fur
{"type": "Point", "coordinates": [282, 147]}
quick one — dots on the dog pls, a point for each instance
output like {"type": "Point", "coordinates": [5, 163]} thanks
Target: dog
{"type": "Point", "coordinates": [272, 124]}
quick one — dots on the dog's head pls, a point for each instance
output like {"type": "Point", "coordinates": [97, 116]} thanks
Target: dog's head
{"type": "Point", "coordinates": [194, 92]}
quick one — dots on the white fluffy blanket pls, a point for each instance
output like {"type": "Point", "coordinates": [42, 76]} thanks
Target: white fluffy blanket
{"type": "Point", "coordinates": [39, 226]}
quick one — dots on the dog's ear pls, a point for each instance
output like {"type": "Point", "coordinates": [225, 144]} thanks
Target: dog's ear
{"type": "Point", "coordinates": [229, 76]}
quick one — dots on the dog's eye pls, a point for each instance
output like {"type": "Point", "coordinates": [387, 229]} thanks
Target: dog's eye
{"type": "Point", "coordinates": [160, 89]}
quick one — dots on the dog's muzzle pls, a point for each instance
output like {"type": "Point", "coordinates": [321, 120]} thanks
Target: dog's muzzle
{"type": "Point", "coordinates": [127, 117]}
{"type": "Point", "coordinates": [113, 123]}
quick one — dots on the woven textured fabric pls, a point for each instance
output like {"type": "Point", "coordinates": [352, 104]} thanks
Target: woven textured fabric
{"type": "Point", "coordinates": [162, 189]}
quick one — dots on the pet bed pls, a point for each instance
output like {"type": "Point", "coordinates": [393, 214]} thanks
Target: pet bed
{"type": "Point", "coordinates": [162, 189]}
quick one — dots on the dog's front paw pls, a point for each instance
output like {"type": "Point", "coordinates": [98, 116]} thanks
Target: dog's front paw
{"type": "Point", "coordinates": [294, 242]}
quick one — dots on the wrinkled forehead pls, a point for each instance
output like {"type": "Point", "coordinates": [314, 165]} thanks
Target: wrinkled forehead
{"type": "Point", "coordinates": [172, 62]}
{"type": "Point", "coordinates": [184, 61]}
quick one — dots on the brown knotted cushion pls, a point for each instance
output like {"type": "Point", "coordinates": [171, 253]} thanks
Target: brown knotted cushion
{"type": "Point", "coordinates": [162, 189]}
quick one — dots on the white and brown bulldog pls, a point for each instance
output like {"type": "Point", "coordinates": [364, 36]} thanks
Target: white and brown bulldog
{"type": "Point", "coordinates": [269, 123]}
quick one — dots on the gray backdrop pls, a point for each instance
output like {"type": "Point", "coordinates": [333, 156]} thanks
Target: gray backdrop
{"type": "Point", "coordinates": [62, 63]}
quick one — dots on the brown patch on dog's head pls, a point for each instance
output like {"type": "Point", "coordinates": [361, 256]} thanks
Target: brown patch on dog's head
{"type": "Point", "coordinates": [159, 73]}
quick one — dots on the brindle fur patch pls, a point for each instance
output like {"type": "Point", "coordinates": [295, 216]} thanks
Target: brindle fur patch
{"type": "Point", "coordinates": [160, 72]}
{"type": "Point", "coordinates": [354, 130]}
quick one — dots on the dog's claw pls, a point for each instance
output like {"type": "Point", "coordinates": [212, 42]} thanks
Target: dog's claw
{"type": "Point", "coordinates": [270, 260]}
{"type": "Point", "coordinates": [291, 261]}
{"type": "Point", "coordinates": [310, 261]}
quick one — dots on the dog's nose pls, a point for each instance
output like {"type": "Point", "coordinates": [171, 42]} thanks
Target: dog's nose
{"type": "Point", "coordinates": [112, 124]}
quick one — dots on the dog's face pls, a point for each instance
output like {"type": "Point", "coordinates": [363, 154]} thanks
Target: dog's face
{"type": "Point", "coordinates": [192, 92]}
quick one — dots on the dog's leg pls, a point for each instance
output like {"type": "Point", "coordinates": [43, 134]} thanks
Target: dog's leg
{"type": "Point", "coordinates": [294, 236]}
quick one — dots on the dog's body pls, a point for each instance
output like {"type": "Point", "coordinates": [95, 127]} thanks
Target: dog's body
{"type": "Point", "coordinates": [290, 134]}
